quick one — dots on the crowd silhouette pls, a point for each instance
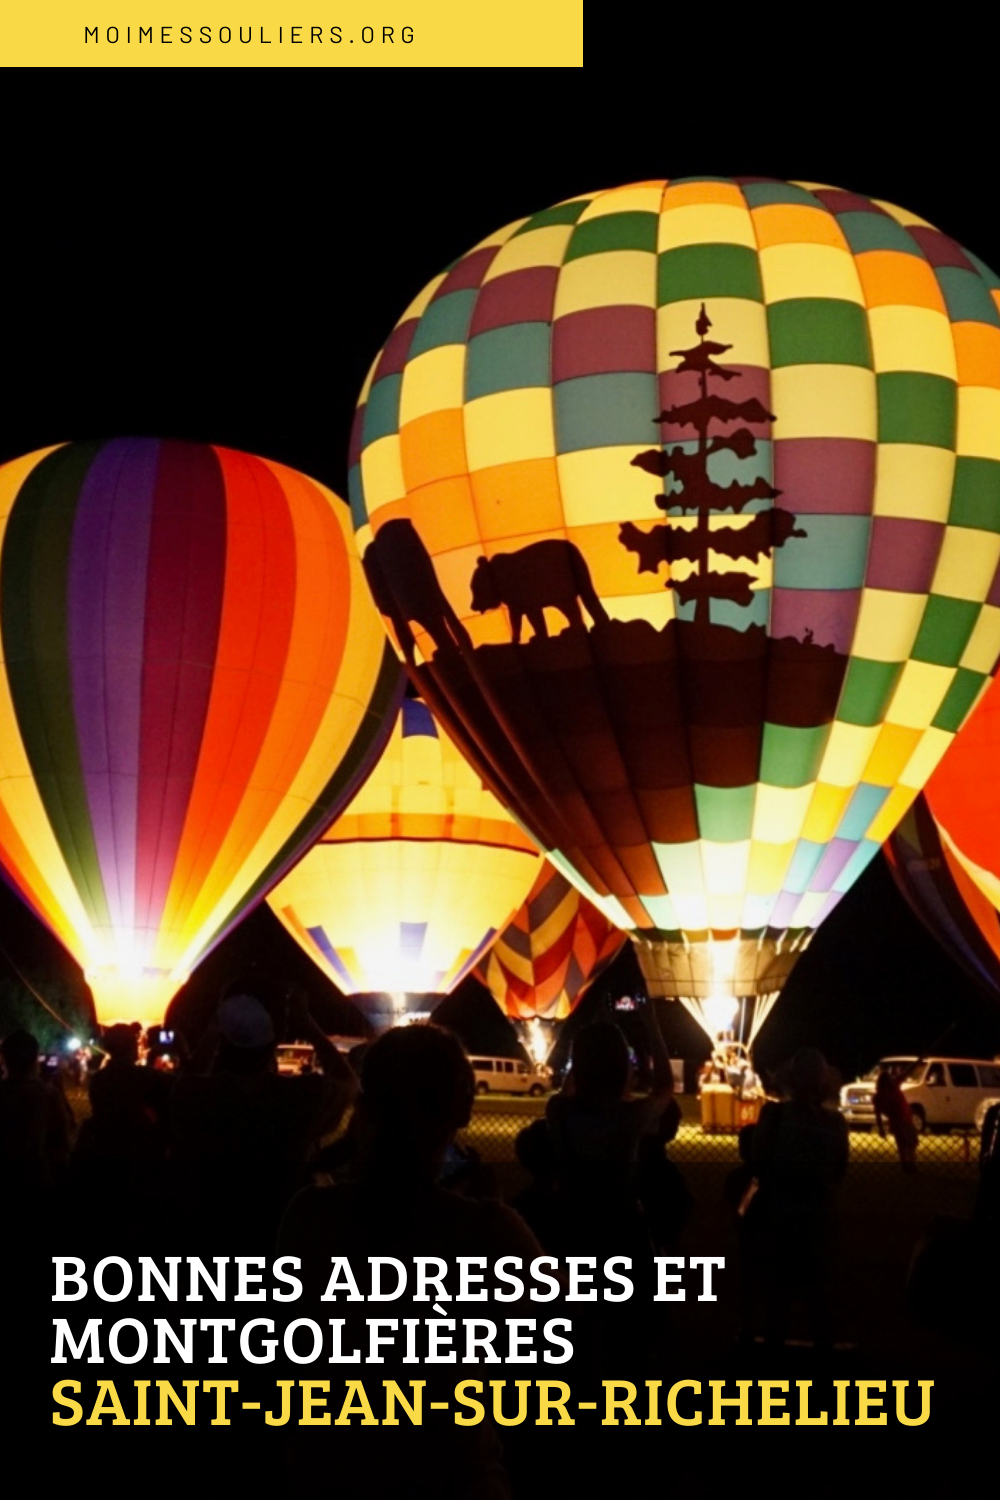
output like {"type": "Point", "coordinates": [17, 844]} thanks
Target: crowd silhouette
{"type": "Point", "coordinates": [361, 1158]}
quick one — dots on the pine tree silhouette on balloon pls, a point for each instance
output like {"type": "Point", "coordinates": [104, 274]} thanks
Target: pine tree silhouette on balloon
{"type": "Point", "coordinates": [696, 491]}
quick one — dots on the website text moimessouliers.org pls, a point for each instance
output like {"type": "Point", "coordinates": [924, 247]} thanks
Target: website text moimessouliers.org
{"type": "Point", "coordinates": [372, 34]}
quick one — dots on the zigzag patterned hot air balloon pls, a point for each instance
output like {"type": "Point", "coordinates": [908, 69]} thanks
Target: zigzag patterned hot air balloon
{"type": "Point", "coordinates": [557, 944]}
{"type": "Point", "coordinates": [683, 502]}
{"type": "Point", "coordinates": [194, 680]}
{"type": "Point", "coordinates": [403, 894]}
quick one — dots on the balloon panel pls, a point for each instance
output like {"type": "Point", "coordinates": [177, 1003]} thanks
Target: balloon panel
{"type": "Point", "coordinates": [546, 958]}
{"type": "Point", "coordinates": [964, 796]}
{"type": "Point", "coordinates": [937, 887]}
{"type": "Point", "coordinates": [409, 887]}
{"type": "Point", "coordinates": [193, 681]}
{"type": "Point", "coordinates": [683, 503]}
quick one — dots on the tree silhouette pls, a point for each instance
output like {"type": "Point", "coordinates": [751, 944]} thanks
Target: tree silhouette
{"type": "Point", "coordinates": [699, 492]}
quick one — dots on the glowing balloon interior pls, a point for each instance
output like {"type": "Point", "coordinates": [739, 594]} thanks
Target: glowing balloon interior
{"type": "Point", "coordinates": [683, 503]}
{"type": "Point", "coordinates": [545, 959]}
{"type": "Point", "coordinates": [409, 887]}
{"type": "Point", "coordinates": [194, 680]}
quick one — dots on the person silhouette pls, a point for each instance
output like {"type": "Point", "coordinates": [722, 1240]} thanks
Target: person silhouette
{"type": "Point", "coordinates": [596, 1128]}
{"type": "Point", "coordinates": [799, 1155]}
{"type": "Point", "coordinates": [417, 1090]}
{"type": "Point", "coordinates": [892, 1109]}
{"type": "Point", "coordinates": [242, 1133]}
{"type": "Point", "coordinates": [35, 1120]}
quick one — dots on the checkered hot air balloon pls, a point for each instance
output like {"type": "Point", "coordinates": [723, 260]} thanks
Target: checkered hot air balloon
{"type": "Point", "coordinates": [402, 895]}
{"type": "Point", "coordinates": [683, 502]}
{"type": "Point", "coordinates": [194, 680]}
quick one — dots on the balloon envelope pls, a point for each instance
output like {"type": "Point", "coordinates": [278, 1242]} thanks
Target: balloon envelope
{"type": "Point", "coordinates": [194, 680]}
{"type": "Point", "coordinates": [549, 954]}
{"type": "Point", "coordinates": [405, 891]}
{"type": "Point", "coordinates": [937, 887]}
{"type": "Point", "coordinates": [682, 500]}
{"type": "Point", "coordinates": [963, 796]}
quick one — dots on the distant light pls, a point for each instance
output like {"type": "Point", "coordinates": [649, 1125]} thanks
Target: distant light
{"type": "Point", "coordinates": [73, 1044]}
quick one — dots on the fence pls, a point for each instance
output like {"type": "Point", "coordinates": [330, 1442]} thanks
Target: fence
{"type": "Point", "coordinates": [497, 1120]}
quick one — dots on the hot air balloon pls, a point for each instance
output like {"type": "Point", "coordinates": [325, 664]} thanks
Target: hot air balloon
{"type": "Point", "coordinates": [546, 958]}
{"type": "Point", "coordinates": [939, 890]}
{"type": "Point", "coordinates": [194, 680]}
{"type": "Point", "coordinates": [945, 855]}
{"type": "Point", "coordinates": [401, 896]}
{"type": "Point", "coordinates": [963, 797]}
{"type": "Point", "coordinates": [682, 502]}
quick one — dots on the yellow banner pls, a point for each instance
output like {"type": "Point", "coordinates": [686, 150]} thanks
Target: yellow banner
{"type": "Point", "coordinates": [292, 33]}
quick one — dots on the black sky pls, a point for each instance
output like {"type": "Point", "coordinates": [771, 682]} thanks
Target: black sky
{"type": "Point", "coordinates": [219, 256]}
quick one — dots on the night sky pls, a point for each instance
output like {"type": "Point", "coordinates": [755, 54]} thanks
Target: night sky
{"type": "Point", "coordinates": [225, 264]}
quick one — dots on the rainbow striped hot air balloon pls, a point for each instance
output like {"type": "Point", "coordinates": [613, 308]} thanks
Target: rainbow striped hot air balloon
{"type": "Point", "coordinates": [683, 502]}
{"type": "Point", "coordinates": [194, 680]}
{"type": "Point", "coordinates": [403, 894]}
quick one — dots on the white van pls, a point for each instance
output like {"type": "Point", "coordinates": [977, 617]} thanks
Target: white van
{"type": "Point", "coordinates": [509, 1076]}
{"type": "Point", "coordinates": [941, 1091]}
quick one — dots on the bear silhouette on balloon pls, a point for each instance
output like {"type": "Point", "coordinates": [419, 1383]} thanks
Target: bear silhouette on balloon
{"type": "Point", "coordinates": [398, 553]}
{"type": "Point", "coordinates": [552, 574]}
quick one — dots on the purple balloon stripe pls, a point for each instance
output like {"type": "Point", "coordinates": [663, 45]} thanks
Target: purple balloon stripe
{"type": "Point", "coordinates": [838, 852]}
{"type": "Point", "coordinates": [106, 607]}
{"type": "Point", "coordinates": [186, 576]}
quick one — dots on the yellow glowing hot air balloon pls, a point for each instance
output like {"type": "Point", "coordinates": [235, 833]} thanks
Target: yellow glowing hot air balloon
{"type": "Point", "coordinates": [683, 502]}
{"type": "Point", "coordinates": [194, 680]}
{"type": "Point", "coordinates": [403, 894]}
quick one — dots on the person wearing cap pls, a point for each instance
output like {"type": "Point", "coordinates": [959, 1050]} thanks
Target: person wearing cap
{"type": "Point", "coordinates": [243, 1133]}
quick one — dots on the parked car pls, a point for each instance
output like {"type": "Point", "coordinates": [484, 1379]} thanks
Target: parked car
{"type": "Point", "coordinates": [941, 1091]}
{"type": "Point", "coordinates": [508, 1075]}
{"type": "Point", "coordinates": [857, 1099]}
